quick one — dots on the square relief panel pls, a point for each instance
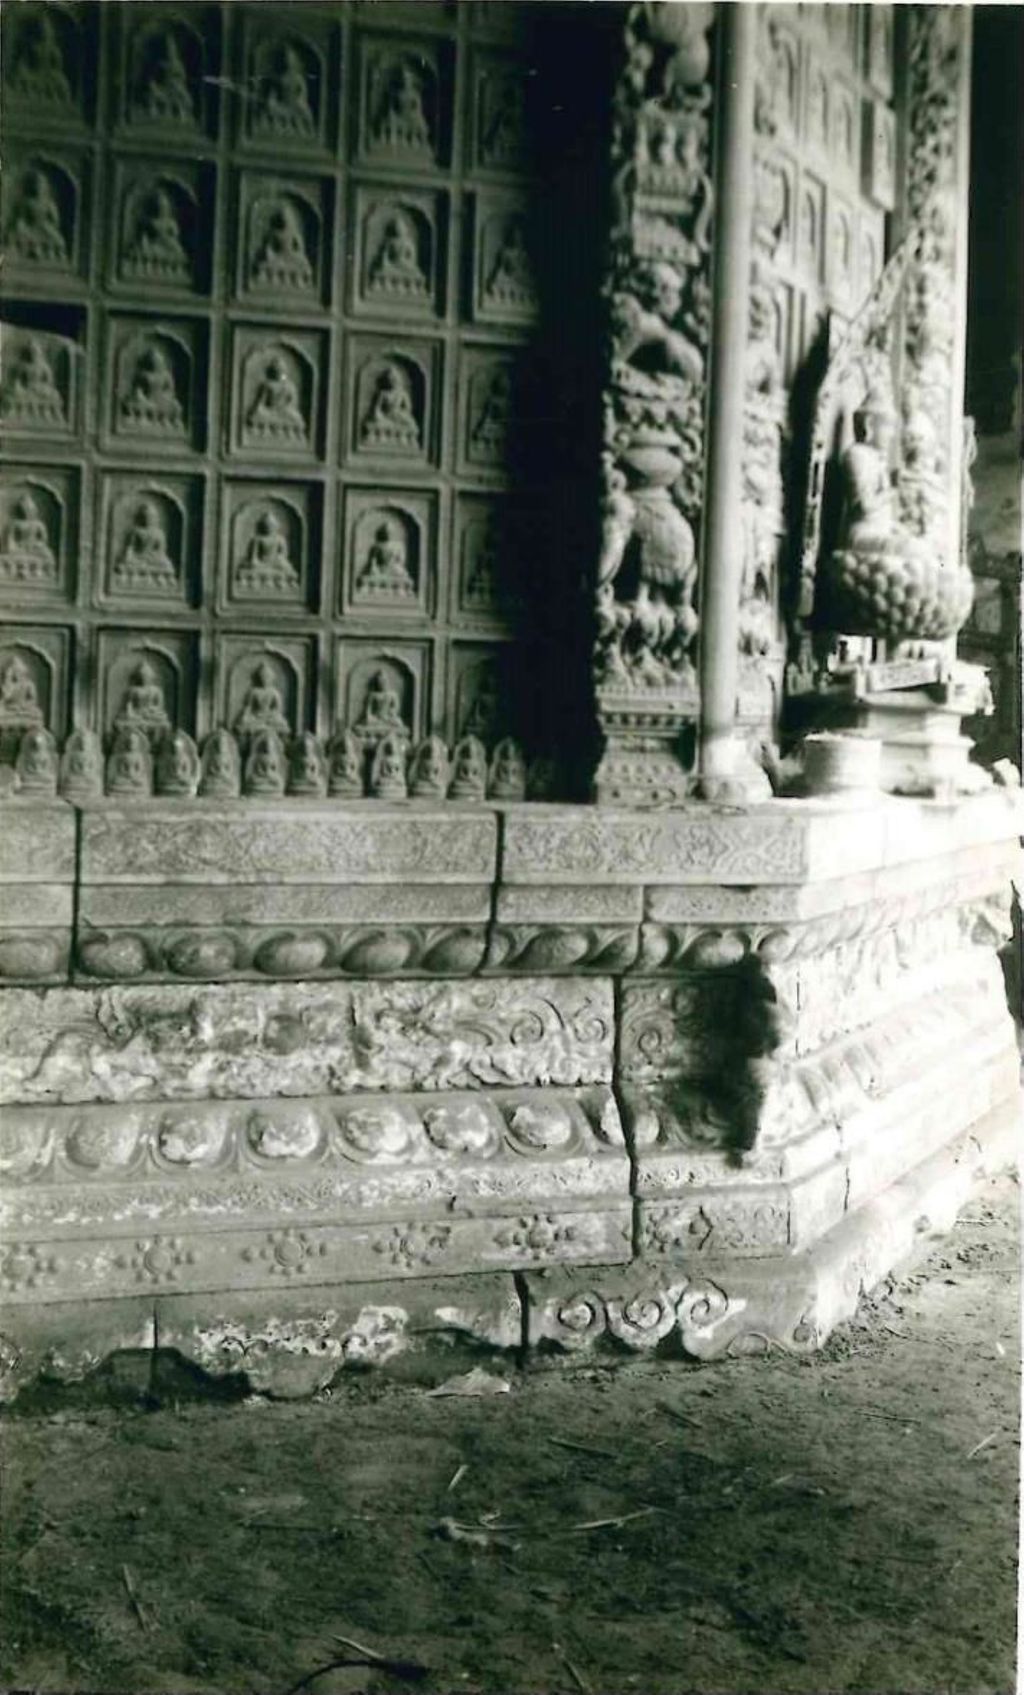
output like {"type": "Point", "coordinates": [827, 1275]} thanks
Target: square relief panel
{"type": "Point", "coordinates": [491, 551]}
{"type": "Point", "coordinates": [478, 694]}
{"type": "Point", "coordinates": [399, 243]}
{"type": "Point", "coordinates": [39, 529]}
{"type": "Point", "coordinates": [394, 390]}
{"type": "Point", "coordinates": [775, 189]}
{"type": "Point", "coordinates": [402, 118]}
{"type": "Point", "coordinates": [149, 539]}
{"type": "Point", "coordinates": [155, 373]}
{"type": "Point", "coordinates": [492, 409]}
{"type": "Point", "coordinates": [500, 132]}
{"type": "Point", "coordinates": [381, 688]}
{"type": "Point", "coordinates": [810, 229]}
{"type": "Point", "coordinates": [283, 255]}
{"type": "Point", "coordinates": [288, 82]}
{"type": "Point", "coordinates": [169, 63]}
{"type": "Point", "coordinates": [821, 88]}
{"type": "Point", "coordinates": [271, 540]}
{"type": "Point", "coordinates": [48, 57]}
{"type": "Point", "coordinates": [35, 672]}
{"type": "Point", "coordinates": [147, 681]}
{"type": "Point", "coordinates": [45, 235]}
{"type": "Point", "coordinates": [278, 391]}
{"type": "Point", "coordinates": [879, 175]}
{"type": "Point", "coordinates": [265, 683]}
{"type": "Point", "coordinates": [504, 288]}
{"type": "Point", "coordinates": [163, 235]}
{"type": "Point", "coordinates": [40, 384]}
{"type": "Point", "coordinates": [842, 252]}
{"type": "Point", "coordinates": [390, 546]}
{"type": "Point", "coordinates": [880, 56]}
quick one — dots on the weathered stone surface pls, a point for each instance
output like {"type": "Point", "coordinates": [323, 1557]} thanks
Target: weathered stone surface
{"type": "Point", "coordinates": [73, 1171]}
{"type": "Point", "coordinates": [104, 905]}
{"type": "Point", "coordinates": [554, 845]}
{"type": "Point", "coordinates": [245, 843]}
{"type": "Point", "coordinates": [67, 1342]}
{"type": "Point", "coordinates": [296, 1342]}
{"type": "Point", "coordinates": [37, 842]}
{"type": "Point", "coordinates": [230, 1040]}
{"type": "Point", "coordinates": [169, 951]}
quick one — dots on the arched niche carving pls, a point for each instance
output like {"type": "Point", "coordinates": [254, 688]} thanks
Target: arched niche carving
{"type": "Point", "coordinates": [153, 385]}
{"type": "Point", "coordinates": [268, 549]}
{"type": "Point", "coordinates": [41, 217]}
{"type": "Point", "coordinates": [146, 531]}
{"type": "Point", "coordinates": [159, 223]}
{"type": "Point", "coordinates": [165, 73]}
{"type": "Point", "coordinates": [288, 78]}
{"type": "Point", "coordinates": [387, 556]}
{"type": "Point", "coordinates": [276, 397]}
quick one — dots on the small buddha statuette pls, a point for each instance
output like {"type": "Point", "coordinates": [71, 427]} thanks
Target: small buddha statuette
{"type": "Point", "coordinates": [428, 770]}
{"type": "Point", "coordinates": [307, 774]}
{"type": "Point", "coordinates": [177, 764]}
{"type": "Point", "coordinates": [262, 708]}
{"type": "Point", "coordinates": [221, 771]}
{"type": "Point", "coordinates": [385, 573]}
{"type": "Point", "coordinates": [507, 778]}
{"type": "Point", "coordinates": [81, 767]}
{"type": "Point", "coordinates": [25, 552]}
{"type": "Point", "coordinates": [395, 268]}
{"type": "Point", "coordinates": [144, 562]}
{"type": "Point", "coordinates": [281, 260]}
{"type": "Point", "coordinates": [387, 769]}
{"type": "Point", "coordinates": [19, 704]}
{"type": "Point", "coordinates": [266, 567]}
{"type": "Point", "coordinates": [469, 770]}
{"type": "Point", "coordinates": [157, 253]}
{"type": "Point", "coordinates": [129, 764]}
{"type": "Point", "coordinates": [143, 706]}
{"type": "Point", "coordinates": [34, 230]}
{"type": "Point", "coordinates": [30, 395]}
{"type": "Point", "coordinates": [345, 768]}
{"type": "Point", "coordinates": [274, 415]}
{"type": "Point", "coordinates": [265, 764]}
{"type": "Point", "coordinates": [36, 764]}
{"type": "Point", "coordinates": [151, 403]}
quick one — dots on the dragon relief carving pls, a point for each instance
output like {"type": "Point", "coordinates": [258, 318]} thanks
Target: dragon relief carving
{"type": "Point", "coordinates": [658, 315]}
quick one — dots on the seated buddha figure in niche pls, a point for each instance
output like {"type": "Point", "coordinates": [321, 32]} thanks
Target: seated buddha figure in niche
{"type": "Point", "coordinates": [18, 700]}
{"type": "Point", "coordinates": [382, 709]}
{"type": "Point", "coordinates": [403, 122]}
{"type": "Point", "coordinates": [25, 551]}
{"type": "Point", "coordinates": [144, 561]}
{"type": "Point", "coordinates": [39, 68]}
{"type": "Point", "coordinates": [34, 231]}
{"type": "Point", "coordinates": [285, 107]}
{"type": "Point", "coordinates": [391, 420]}
{"type": "Point", "coordinates": [386, 570]}
{"type": "Point", "coordinates": [157, 250]}
{"type": "Point", "coordinates": [262, 707]}
{"type": "Point", "coordinates": [143, 707]}
{"type": "Point", "coordinates": [164, 96]}
{"type": "Point", "coordinates": [395, 268]}
{"type": "Point", "coordinates": [282, 261]}
{"type": "Point", "coordinates": [29, 394]}
{"type": "Point", "coordinates": [266, 568]}
{"type": "Point", "coordinates": [151, 403]}
{"type": "Point", "coordinates": [274, 414]}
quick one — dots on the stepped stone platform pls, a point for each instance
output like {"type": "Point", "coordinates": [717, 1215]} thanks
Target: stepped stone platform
{"type": "Point", "coordinates": [300, 1086]}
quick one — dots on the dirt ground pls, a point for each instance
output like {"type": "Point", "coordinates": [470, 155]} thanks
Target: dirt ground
{"type": "Point", "coordinates": [846, 1522]}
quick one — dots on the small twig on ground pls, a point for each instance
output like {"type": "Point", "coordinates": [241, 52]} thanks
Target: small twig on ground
{"type": "Point", "coordinates": [137, 1607]}
{"type": "Point", "coordinates": [991, 1437]}
{"type": "Point", "coordinates": [577, 1676]}
{"type": "Point", "coordinates": [673, 1412]}
{"type": "Point", "coordinates": [360, 1647]}
{"type": "Point", "coordinates": [410, 1669]}
{"type": "Point", "coordinates": [608, 1523]}
{"type": "Point", "coordinates": [582, 1447]}
{"type": "Point", "coordinates": [456, 1478]}
{"type": "Point", "coordinates": [898, 1418]}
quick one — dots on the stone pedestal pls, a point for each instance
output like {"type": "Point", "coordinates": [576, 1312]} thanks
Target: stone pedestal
{"type": "Point", "coordinates": [682, 1079]}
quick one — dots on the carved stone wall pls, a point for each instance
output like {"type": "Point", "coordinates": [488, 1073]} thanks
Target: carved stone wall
{"type": "Point", "coordinates": [269, 301]}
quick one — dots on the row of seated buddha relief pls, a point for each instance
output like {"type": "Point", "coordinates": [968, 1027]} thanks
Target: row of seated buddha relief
{"type": "Point", "coordinates": [283, 83]}
{"type": "Point", "coordinates": [158, 681]}
{"type": "Point", "coordinates": [294, 240]}
{"type": "Point", "coordinates": [397, 553]}
{"type": "Point", "coordinates": [275, 399]}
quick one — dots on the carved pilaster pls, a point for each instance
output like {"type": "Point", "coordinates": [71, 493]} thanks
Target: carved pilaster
{"type": "Point", "coordinates": [658, 302]}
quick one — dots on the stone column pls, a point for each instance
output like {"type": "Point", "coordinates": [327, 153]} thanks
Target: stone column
{"type": "Point", "coordinates": [725, 774]}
